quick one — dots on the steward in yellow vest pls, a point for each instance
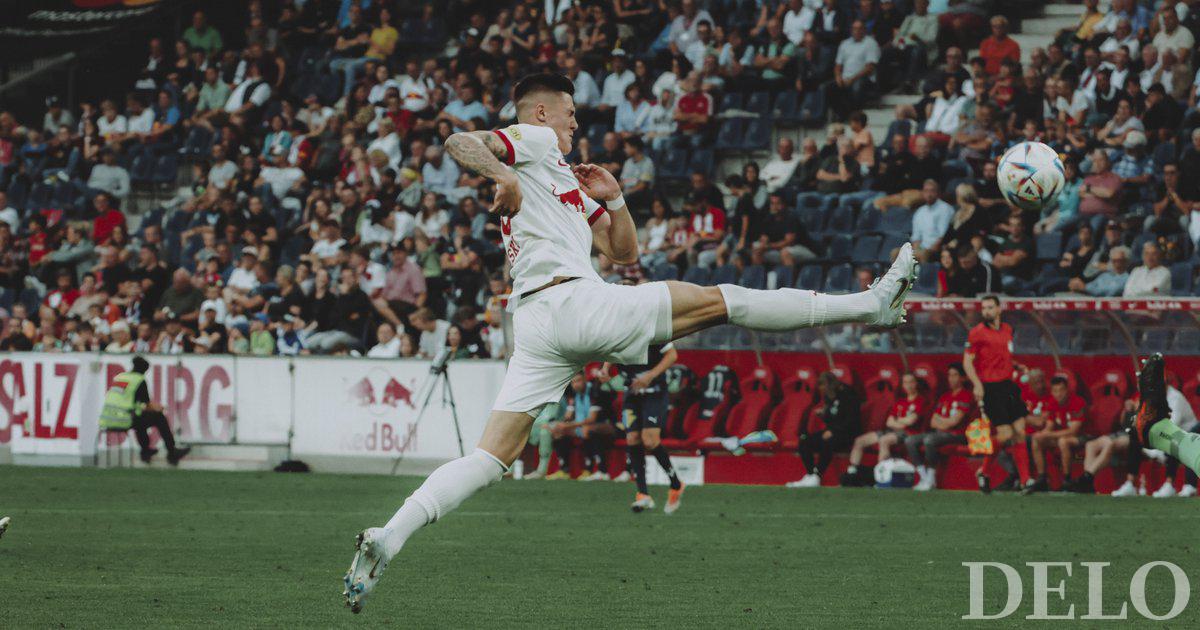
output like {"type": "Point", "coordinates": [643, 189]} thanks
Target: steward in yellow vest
{"type": "Point", "coordinates": [127, 405]}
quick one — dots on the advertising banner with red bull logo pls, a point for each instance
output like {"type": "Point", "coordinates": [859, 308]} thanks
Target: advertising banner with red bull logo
{"type": "Point", "coordinates": [370, 408]}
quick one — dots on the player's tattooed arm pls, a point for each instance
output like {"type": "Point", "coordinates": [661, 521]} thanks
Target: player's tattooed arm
{"type": "Point", "coordinates": [481, 151]}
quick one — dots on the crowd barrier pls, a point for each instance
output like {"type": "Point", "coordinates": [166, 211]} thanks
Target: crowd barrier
{"type": "Point", "coordinates": [353, 409]}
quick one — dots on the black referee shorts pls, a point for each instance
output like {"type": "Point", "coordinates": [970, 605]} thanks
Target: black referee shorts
{"type": "Point", "coordinates": [1002, 402]}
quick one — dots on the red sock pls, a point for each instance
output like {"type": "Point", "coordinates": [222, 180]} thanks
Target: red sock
{"type": "Point", "coordinates": [986, 468]}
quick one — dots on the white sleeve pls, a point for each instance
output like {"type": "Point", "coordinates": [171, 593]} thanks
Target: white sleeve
{"type": "Point", "coordinates": [527, 143]}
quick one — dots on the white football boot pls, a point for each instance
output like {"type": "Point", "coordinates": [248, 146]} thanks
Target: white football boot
{"type": "Point", "coordinates": [1188, 490]}
{"type": "Point", "coordinates": [4, 523]}
{"type": "Point", "coordinates": [809, 481]}
{"type": "Point", "coordinates": [368, 564]}
{"type": "Point", "coordinates": [1127, 489]}
{"type": "Point", "coordinates": [641, 503]}
{"type": "Point", "coordinates": [1167, 490]}
{"type": "Point", "coordinates": [893, 288]}
{"type": "Point", "coordinates": [623, 477]}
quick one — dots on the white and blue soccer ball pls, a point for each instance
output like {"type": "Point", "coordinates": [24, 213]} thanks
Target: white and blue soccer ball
{"type": "Point", "coordinates": [1030, 175]}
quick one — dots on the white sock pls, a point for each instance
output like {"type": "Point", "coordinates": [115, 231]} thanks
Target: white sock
{"type": "Point", "coordinates": [791, 309]}
{"type": "Point", "coordinates": [443, 490]}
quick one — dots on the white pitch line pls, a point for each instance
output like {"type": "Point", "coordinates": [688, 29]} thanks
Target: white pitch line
{"type": "Point", "coordinates": [691, 514]}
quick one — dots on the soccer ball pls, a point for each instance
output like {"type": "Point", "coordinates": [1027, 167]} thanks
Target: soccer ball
{"type": "Point", "coordinates": [1030, 175]}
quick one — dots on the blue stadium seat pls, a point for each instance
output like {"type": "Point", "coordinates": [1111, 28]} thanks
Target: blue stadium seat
{"type": "Point", "coordinates": [841, 221]}
{"type": "Point", "coordinates": [785, 275]}
{"type": "Point", "coordinates": [810, 277]}
{"type": "Point", "coordinates": [840, 247]}
{"type": "Point", "coordinates": [891, 242]}
{"type": "Point", "coordinates": [759, 103]}
{"type": "Point", "coordinates": [868, 220]}
{"type": "Point", "coordinates": [664, 271]}
{"type": "Point", "coordinates": [866, 249]}
{"type": "Point", "coordinates": [757, 135]}
{"type": "Point", "coordinates": [328, 88]}
{"type": "Point", "coordinates": [754, 277]}
{"type": "Point", "coordinates": [1155, 340]}
{"type": "Point", "coordinates": [166, 169]}
{"type": "Point", "coordinates": [673, 164]}
{"type": "Point", "coordinates": [1182, 277]}
{"type": "Point", "coordinates": [730, 135]}
{"type": "Point", "coordinates": [897, 220]}
{"type": "Point", "coordinates": [731, 100]}
{"type": "Point", "coordinates": [786, 110]}
{"type": "Point", "coordinates": [141, 169]}
{"type": "Point", "coordinates": [701, 161]}
{"type": "Point", "coordinates": [1049, 246]}
{"type": "Point", "coordinates": [697, 275]}
{"type": "Point", "coordinates": [839, 279]}
{"type": "Point", "coordinates": [725, 274]}
{"type": "Point", "coordinates": [927, 283]}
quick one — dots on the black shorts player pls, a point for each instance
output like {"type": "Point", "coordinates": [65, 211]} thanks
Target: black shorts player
{"type": "Point", "coordinates": [643, 416]}
{"type": "Point", "coordinates": [1002, 402]}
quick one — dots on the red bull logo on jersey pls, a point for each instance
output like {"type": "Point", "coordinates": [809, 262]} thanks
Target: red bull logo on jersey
{"type": "Point", "coordinates": [572, 199]}
{"type": "Point", "coordinates": [379, 393]}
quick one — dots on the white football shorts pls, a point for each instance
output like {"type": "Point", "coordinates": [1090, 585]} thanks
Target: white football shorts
{"type": "Point", "coordinates": [557, 331]}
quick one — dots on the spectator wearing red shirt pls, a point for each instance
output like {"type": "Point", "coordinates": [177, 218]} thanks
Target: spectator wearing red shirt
{"type": "Point", "coordinates": [37, 243]}
{"type": "Point", "coordinates": [64, 294]}
{"type": "Point", "coordinates": [1065, 414]}
{"type": "Point", "coordinates": [998, 48]}
{"type": "Point", "coordinates": [107, 218]}
{"type": "Point", "coordinates": [988, 362]}
{"type": "Point", "coordinates": [947, 426]}
{"type": "Point", "coordinates": [902, 423]}
{"type": "Point", "coordinates": [693, 111]}
{"type": "Point", "coordinates": [706, 230]}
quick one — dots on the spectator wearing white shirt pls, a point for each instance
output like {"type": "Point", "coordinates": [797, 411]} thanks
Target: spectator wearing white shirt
{"type": "Point", "coordinates": [780, 168]}
{"type": "Point", "coordinates": [108, 176]}
{"type": "Point", "coordinates": [683, 28]}
{"type": "Point", "coordinates": [1151, 279]}
{"type": "Point", "coordinates": [854, 67]}
{"type": "Point", "coordinates": [388, 141]}
{"type": "Point", "coordinates": [139, 119]}
{"type": "Point", "coordinates": [633, 114]}
{"type": "Point", "coordinates": [223, 169]}
{"type": "Point", "coordinates": [371, 275]}
{"type": "Point", "coordinates": [243, 279]}
{"type": "Point", "coordinates": [798, 20]}
{"type": "Point", "coordinates": [1124, 37]}
{"type": "Point", "coordinates": [587, 93]}
{"type": "Point", "coordinates": [387, 344]}
{"type": "Point", "coordinates": [281, 177]}
{"type": "Point", "coordinates": [111, 124]}
{"type": "Point", "coordinates": [702, 46]}
{"type": "Point", "coordinates": [660, 123]}
{"type": "Point", "coordinates": [615, 83]}
{"type": "Point", "coordinates": [439, 174]}
{"type": "Point", "coordinates": [1173, 36]}
{"type": "Point", "coordinates": [930, 221]}
{"type": "Point", "coordinates": [433, 332]}
{"type": "Point", "coordinates": [415, 87]}
{"type": "Point", "coordinates": [8, 214]}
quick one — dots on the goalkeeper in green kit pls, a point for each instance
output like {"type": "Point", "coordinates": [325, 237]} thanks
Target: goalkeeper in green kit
{"type": "Point", "coordinates": [1152, 425]}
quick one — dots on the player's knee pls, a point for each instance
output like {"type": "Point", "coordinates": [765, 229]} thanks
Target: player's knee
{"type": "Point", "coordinates": [651, 441]}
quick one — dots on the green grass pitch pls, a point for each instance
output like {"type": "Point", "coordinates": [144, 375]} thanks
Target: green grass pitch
{"type": "Point", "coordinates": [167, 549]}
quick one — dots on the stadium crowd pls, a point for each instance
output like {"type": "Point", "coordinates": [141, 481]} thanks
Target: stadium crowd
{"type": "Point", "coordinates": [319, 214]}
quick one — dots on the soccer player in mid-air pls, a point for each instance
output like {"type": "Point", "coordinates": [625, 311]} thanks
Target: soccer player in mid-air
{"type": "Point", "coordinates": [643, 414]}
{"type": "Point", "coordinates": [564, 315]}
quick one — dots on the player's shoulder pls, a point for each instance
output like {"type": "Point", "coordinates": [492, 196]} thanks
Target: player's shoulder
{"type": "Point", "coordinates": [525, 132]}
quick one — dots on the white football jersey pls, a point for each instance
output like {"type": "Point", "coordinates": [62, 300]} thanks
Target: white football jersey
{"type": "Point", "coordinates": [551, 236]}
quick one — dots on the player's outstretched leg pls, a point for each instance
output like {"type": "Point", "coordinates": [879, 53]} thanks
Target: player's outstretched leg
{"type": "Point", "coordinates": [442, 491]}
{"type": "Point", "coordinates": [791, 309]}
{"type": "Point", "coordinates": [1153, 426]}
